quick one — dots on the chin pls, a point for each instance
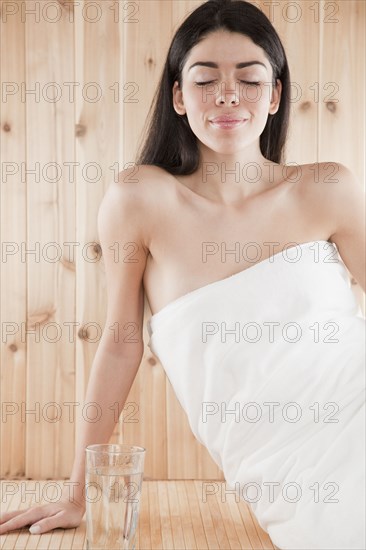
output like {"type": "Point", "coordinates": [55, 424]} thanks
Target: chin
{"type": "Point", "coordinates": [227, 149]}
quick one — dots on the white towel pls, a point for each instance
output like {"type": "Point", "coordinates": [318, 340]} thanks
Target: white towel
{"type": "Point", "coordinates": [269, 366]}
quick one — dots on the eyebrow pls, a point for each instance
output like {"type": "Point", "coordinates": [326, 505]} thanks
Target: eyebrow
{"type": "Point", "coordinates": [237, 66]}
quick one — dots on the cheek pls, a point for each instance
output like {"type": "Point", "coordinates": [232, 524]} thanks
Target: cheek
{"type": "Point", "coordinates": [201, 99]}
{"type": "Point", "coordinates": [257, 97]}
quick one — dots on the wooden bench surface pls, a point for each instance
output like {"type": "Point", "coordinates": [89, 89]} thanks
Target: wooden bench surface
{"type": "Point", "coordinates": [173, 515]}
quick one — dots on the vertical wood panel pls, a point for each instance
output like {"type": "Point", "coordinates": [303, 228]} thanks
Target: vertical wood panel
{"type": "Point", "coordinates": [342, 84]}
{"type": "Point", "coordinates": [50, 223]}
{"type": "Point", "coordinates": [13, 234]}
{"type": "Point", "coordinates": [97, 143]}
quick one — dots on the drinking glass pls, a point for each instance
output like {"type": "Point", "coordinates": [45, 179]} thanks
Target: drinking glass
{"type": "Point", "coordinates": [113, 480]}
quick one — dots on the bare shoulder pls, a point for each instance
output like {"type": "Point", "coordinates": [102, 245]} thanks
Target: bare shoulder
{"type": "Point", "coordinates": [336, 198]}
{"type": "Point", "coordinates": [343, 199]}
{"type": "Point", "coordinates": [326, 191]}
{"type": "Point", "coordinates": [144, 178]}
{"type": "Point", "coordinates": [322, 178]}
{"type": "Point", "coordinates": [137, 189]}
{"type": "Point", "coordinates": [151, 185]}
{"type": "Point", "coordinates": [134, 200]}
{"type": "Point", "coordinates": [137, 181]}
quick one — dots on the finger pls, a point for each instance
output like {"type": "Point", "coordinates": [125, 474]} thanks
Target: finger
{"type": "Point", "coordinates": [22, 519]}
{"type": "Point", "coordinates": [47, 524]}
{"type": "Point", "coordinates": [9, 515]}
{"type": "Point", "coordinates": [58, 519]}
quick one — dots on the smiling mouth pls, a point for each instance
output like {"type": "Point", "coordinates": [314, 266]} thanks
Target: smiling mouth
{"type": "Point", "coordinates": [227, 124]}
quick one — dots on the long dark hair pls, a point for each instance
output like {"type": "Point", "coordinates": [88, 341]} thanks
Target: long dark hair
{"type": "Point", "coordinates": [170, 142]}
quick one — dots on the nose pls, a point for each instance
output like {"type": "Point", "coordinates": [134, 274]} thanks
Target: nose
{"type": "Point", "coordinates": [227, 96]}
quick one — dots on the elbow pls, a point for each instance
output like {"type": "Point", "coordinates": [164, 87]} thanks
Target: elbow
{"type": "Point", "coordinates": [127, 351]}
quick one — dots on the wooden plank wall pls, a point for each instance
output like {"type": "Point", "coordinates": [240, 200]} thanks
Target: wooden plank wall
{"type": "Point", "coordinates": [90, 70]}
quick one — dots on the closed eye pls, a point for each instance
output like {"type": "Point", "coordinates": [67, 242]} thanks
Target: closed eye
{"type": "Point", "coordinates": [243, 81]}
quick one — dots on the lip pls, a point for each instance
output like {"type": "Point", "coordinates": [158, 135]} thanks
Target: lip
{"type": "Point", "coordinates": [227, 124]}
{"type": "Point", "coordinates": [227, 118]}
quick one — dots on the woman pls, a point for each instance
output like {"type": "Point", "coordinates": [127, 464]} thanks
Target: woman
{"type": "Point", "coordinates": [210, 188]}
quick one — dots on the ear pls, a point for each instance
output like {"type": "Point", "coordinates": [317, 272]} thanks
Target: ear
{"type": "Point", "coordinates": [276, 97]}
{"type": "Point", "coordinates": [178, 103]}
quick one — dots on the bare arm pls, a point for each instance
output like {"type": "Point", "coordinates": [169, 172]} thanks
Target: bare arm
{"type": "Point", "coordinates": [120, 225]}
{"type": "Point", "coordinates": [335, 201]}
{"type": "Point", "coordinates": [346, 205]}
{"type": "Point", "coordinates": [121, 220]}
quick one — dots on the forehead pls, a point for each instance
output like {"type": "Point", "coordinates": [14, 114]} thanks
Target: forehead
{"type": "Point", "coordinates": [226, 49]}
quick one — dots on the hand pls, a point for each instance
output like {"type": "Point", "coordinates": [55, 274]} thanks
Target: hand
{"type": "Point", "coordinates": [63, 514]}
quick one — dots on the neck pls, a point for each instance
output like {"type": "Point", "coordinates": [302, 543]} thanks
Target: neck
{"type": "Point", "coordinates": [228, 178]}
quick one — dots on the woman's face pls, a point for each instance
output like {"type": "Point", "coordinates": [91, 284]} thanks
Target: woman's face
{"type": "Point", "coordinates": [244, 93]}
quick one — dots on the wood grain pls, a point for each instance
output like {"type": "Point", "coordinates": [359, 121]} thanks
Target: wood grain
{"type": "Point", "coordinates": [173, 514]}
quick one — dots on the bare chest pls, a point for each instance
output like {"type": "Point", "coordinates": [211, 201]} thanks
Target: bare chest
{"type": "Point", "coordinates": [196, 243]}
